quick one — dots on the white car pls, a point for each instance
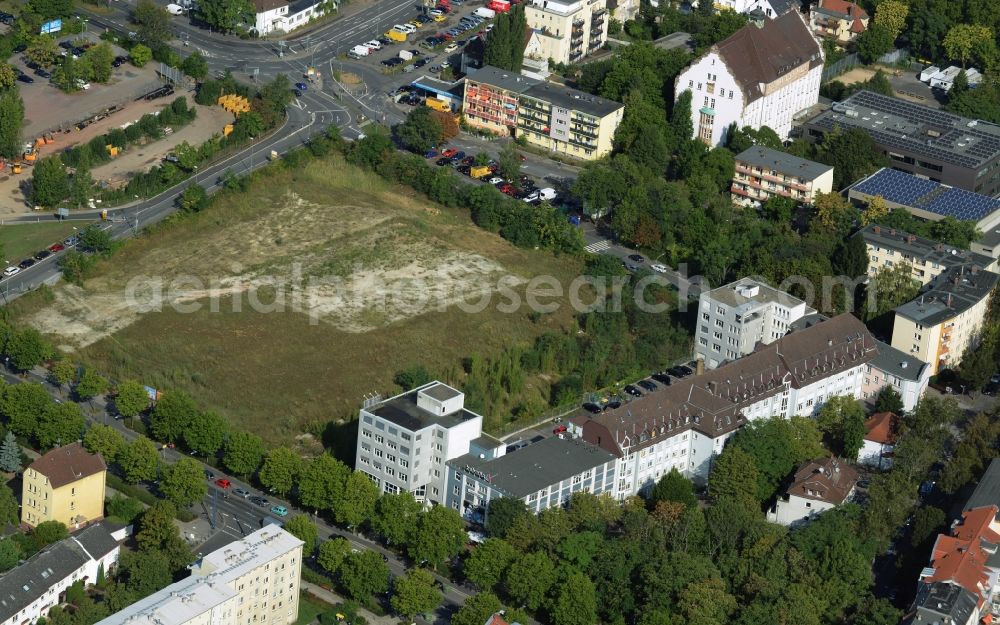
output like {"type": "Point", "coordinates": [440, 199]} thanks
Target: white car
{"type": "Point", "coordinates": [374, 45]}
{"type": "Point", "coordinates": [435, 13]}
{"type": "Point", "coordinates": [409, 29]}
{"type": "Point", "coordinates": [400, 28]}
{"type": "Point", "coordinates": [451, 47]}
{"type": "Point", "coordinates": [81, 84]}
{"type": "Point", "coordinates": [11, 271]}
{"type": "Point", "coordinates": [658, 268]}
{"type": "Point", "coordinates": [496, 180]}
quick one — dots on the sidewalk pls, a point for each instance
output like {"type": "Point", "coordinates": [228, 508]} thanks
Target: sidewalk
{"type": "Point", "coordinates": [334, 599]}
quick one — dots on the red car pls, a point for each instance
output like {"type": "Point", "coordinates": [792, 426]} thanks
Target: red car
{"type": "Point", "coordinates": [508, 189]}
{"type": "Point", "coordinates": [58, 247]}
{"type": "Point", "coordinates": [222, 483]}
{"type": "Point", "coordinates": [559, 429]}
{"type": "Point", "coordinates": [449, 152]}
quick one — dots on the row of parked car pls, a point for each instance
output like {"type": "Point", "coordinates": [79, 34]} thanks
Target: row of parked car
{"type": "Point", "coordinates": [466, 24]}
{"type": "Point", "coordinates": [524, 188]}
{"type": "Point", "coordinates": [636, 390]}
{"type": "Point", "coordinates": [13, 270]}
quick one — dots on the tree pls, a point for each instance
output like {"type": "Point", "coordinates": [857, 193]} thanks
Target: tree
{"type": "Point", "coordinates": [477, 609]}
{"type": "Point", "coordinates": [21, 405]}
{"type": "Point", "coordinates": [706, 603]}
{"type": "Point", "coordinates": [322, 482]}
{"type": "Point", "coordinates": [440, 536]}
{"type": "Point", "coordinates": [153, 23]}
{"type": "Point", "coordinates": [138, 460]}
{"type": "Point", "coordinates": [131, 398]}
{"type": "Point", "coordinates": [505, 43]}
{"type": "Point", "coordinates": [10, 554]}
{"type": "Point", "coordinates": [81, 186]}
{"type": "Point", "coordinates": [332, 554]}
{"type": "Point", "coordinates": [889, 288]}
{"type": "Point", "coordinates": [248, 126]}
{"type": "Point", "coordinates": [415, 593]}
{"type": "Point", "coordinates": [125, 509]}
{"type": "Point", "coordinates": [852, 153]}
{"type": "Point", "coordinates": [873, 43]}
{"type": "Point", "coordinates": [139, 55]}
{"type": "Point", "coordinates": [8, 506]}
{"type": "Point", "coordinates": [834, 214]}
{"type": "Point", "coordinates": [979, 362]}
{"type": "Point", "coordinates": [172, 415]}
{"type": "Point", "coordinates": [11, 121]}
{"type": "Point", "coordinates": [850, 258]}
{"type": "Point", "coordinates": [96, 239]}
{"type": "Point", "coordinates": [419, 132]}
{"type": "Point", "coordinates": [184, 482]}
{"type": "Point", "coordinates": [100, 58]}
{"type": "Point", "coordinates": [195, 66]}
{"type": "Point", "coordinates": [243, 453]}
{"type": "Point", "coordinates": [105, 440]}
{"type": "Point", "coordinates": [59, 424]}
{"type": "Point", "coordinates": [412, 377]}
{"type": "Point", "coordinates": [962, 39]}
{"type": "Point", "coordinates": [509, 163]}
{"type": "Point", "coordinates": [734, 475]}
{"type": "Point", "coordinates": [49, 182]}
{"type": "Point", "coordinates": [305, 530]}
{"type": "Point", "coordinates": [205, 433]}
{"type": "Point", "coordinates": [875, 211]}
{"type": "Point", "coordinates": [280, 470]}
{"type": "Point", "coordinates": [395, 517]}
{"type": "Point", "coordinates": [355, 502]}
{"type": "Point", "coordinates": [193, 199]}
{"type": "Point", "coordinates": [852, 435]}
{"type": "Point", "coordinates": [839, 418]}
{"type": "Point", "coordinates": [158, 533]}
{"type": "Point", "coordinates": [42, 50]}
{"type": "Point", "coordinates": [8, 77]}
{"type": "Point", "coordinates": [10, 454]}
{"type": "Point", "coordinates": [91, 384]}
{"type": "Point", "coordinates": [576, 603]}
{"type": "Point", "coordinates": [488, 562]}
{"type": "Point", "coordinates": [959, 86]}
{"type": "Point", "coordinates": [364, 574]}
{"type": "Point", "coordinates": [889, 400]}
{"type": "Point", "coordinates": [530, 578]}
{"type": "Point", "coordinates": [27, 348]}
{"type": "Point", "coordinates": [48, 532]}
{"type": "Point", "coordinates": [673, 487]}
{"type": "Point", "coordinates": [502, 513]}
{"type": "Point", "coordinates": [891, 15]}
{"type": "Point", "coordinates": [927, 521]}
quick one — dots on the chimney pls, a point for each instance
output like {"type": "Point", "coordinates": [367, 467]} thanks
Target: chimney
{"type": "Point", "coordinates": [699, 367]}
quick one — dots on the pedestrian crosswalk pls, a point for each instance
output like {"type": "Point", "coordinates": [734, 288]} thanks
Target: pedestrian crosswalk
{"type": "Point", "coordinates": [600, 246]}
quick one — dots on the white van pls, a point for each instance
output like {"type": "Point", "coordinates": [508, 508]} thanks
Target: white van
{"type": "Point", "coordinates": [175, 9]}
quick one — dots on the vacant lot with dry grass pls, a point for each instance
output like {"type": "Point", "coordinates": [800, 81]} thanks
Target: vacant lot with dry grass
{"type": "Point", "coordinates": [282, 306]}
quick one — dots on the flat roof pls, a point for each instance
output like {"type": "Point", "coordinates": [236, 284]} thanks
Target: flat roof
{"type": "Point", "coordinates": [572, 99]}
{"type": "Point", "coordinates": [761, 156]}
{"type": "Point", "coordinates": [733, 294]}
{"type": "Point", "coordinates": [920, 248]}
{"type": "Point", "coordinates": [402, 410]}
{"type": "Point", "coordinates": [898, 363]}
{"type": "Point", "coordinates": [905, 189]}
{"type": "Point", "coordinates": [950, 294]}
{"type": "Point", "coordinates": [440, 87]}
{"type": "Point", "coordinates": [537, 465]}
{"type": "Point", "coordinates": [904, 125]}
{"type": "Point", "coordinates": [440, 391]}
{"type": "Point", "coordinates": [504, 79]}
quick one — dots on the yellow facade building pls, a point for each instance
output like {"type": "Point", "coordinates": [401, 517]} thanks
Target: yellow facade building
{"type": "Point", "coordinates": [67, 485]}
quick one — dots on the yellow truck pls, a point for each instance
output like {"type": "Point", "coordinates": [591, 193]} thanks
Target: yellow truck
{"type": "Point", "coordinates": [438, 105]}
{"type": "Point", "coordinates": [396, 36]}
{"type": "Point", "coordinates": [480, 171]}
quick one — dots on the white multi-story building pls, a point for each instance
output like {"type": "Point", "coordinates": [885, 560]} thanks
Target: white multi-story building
{"type": "Point", "coordinates": [762, 75]}
{"type": "Point", "coordinates": [817, 486]}
{"type": "Point", "coordinates": [405, 441]}
{"type": "Point", "coordinates": [31, 589]}
{"type": "Point", "coordinates": [567, 30]}
{"type": "Point", "coordinates": [686, 424]}
{"type": "Point", "coordinates": [770, 8]}
{"type": "Point", "coordinates": [734, 318]}
{"type": "Point", "coordinates": [253, 581]}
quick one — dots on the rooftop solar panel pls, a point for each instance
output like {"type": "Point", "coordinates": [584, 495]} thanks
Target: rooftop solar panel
{"type": "Point", "coordinates": [906, 189]}
{"type": "Point", "coordinates": [896, 186]}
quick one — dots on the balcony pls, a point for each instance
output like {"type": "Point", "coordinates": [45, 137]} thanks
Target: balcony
{"type": "Point", "coordinates": [575, 56]}
{"type": "Point", "coordinates": [583, 131]}
{"type": "Point", "coordinates": [779, 178]}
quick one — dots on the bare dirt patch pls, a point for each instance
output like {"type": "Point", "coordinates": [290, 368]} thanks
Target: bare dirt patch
{"type": "Point", "coordinates": [855, 75]}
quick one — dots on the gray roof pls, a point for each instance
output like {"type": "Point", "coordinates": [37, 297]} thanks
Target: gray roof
{"type": "Point", "coordinates": [22, 585]}
{"type": "Point", "coordinates": [536, 466]}
{"type": "Point", "coordinates": [914, 248]}
{"type": "Point", "coordinates": [97, 539]}
{"type": "Point", "coordinates": [784, 6]}
{"type": "Point", "coordinates": [561, 96]}
{"type": "Point", "coordinates": [760, 156]}
{"type": "Point", "coordinates": [939, 601]}
{"type": "Point", "coordinates": [987, 492]}
{"type": "Point", "coordinates": [898, 363]}
{"type": "Point", "coordinates": [895, 123]}
{"type": "Point", "coordinates": [732, 295]}
{"type": "Point", "coordinates": [496, 77]}
{"type": "Point", "coordinates": [440, 392]}
{"type": "Point", "coordinates": [950, 294]}
{"type": "Point", "coordinates": [403, 411]}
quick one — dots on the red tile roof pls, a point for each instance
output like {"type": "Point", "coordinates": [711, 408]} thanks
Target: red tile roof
{"type": "Point", "coordinates": [961, 558]}
{"type": "Point", "coordinates": [881, 428]}
{"type": "Point", "coordinates": [858, 26]}
{"type": "Point", "coordinates": [845, 7]}
{"type": "Point", "coordinates": [68, 463]}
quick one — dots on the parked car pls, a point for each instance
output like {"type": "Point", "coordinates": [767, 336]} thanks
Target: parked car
{"type": "Point", "coordinates": [42, 254]}
{"type": "Point", "coordinates": [11, 271]}
{"type": "Point", "coordinates": [259, 501]}
{"type": "Point", "coordinates": [633, 391]}
{"type": "Point", "coordinates": [559, 429]}
{"type": "Point", "coordinates": [592, 407]}
{"type": "Point", "coordinates": [495, 180]}
{"type": "Point", "coordinates": [42, 73]}
{"type": "Point", "coordinates": [658, 268]}
{"type": "Point", "coordinates": [613, 404]}
{"type": "Point", "coordinates": [70, 241]}
{"type": "Point", "coordinates": [209, 475]}
{"type": "Point", "coordinates": [56, 247]}
{"type": "Point", "coordinates": [119, 61]}
{"type": "Point", "coordinates": [442, 161]}
{"type": "Point", "coordinates": [451, 47]}
{"type": "Point", "coordinates": [27, 262]}
{"type": "Point", "coordinates": [449, 152]}
{"type": "Point", "coordinates": [636, 258]}
{"type": "Point", "coordinates": [646, 384]}
{"type": "Point", "coordinates": [301, 86]}
{"type": "Point", "coordinates": [25, 78]}
{"type": "Point", "coordinates": [662, 377]}
{"type": "Point", "coordinates": [223, 483]}
{"type": "Point", "coordinates": [430, 154]}
{"type": "Point", "coordinates": [458, 156]}
{"type": "Point", "coordinates": [279, 510]}
{"type": "Point", "coordinates": [241, 492]}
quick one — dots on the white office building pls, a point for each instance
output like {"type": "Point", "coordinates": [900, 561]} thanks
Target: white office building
{"type": "Point", "coordinates": [405, 441]}
{"type": "Point", "coordinates": [734, 318]}
{"type": "Point", "coordinates": [763, 75]}
{"type": "Point", "coordinates": [253, 581]}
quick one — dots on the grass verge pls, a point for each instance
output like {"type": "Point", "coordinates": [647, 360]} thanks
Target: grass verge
{"type": "Point", "coordinates": [22, 241]}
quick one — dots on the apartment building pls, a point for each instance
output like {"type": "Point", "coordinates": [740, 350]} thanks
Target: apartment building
{"type": "Point", "coordinates": [768, 8]}
{"type": "Point", "coordinates": [67, 485]}
{"type": "Point", "coordinates": [926, 199]}
{"type": "Point", "coordinates": [684, 425]}
{"type": "Point", "coordinates": [945, 318]}
{"type": "Point", "coordinates": [921, 140]}
{"type": "Point", "coordinates": [818, 485]}
{"type": "Point", "coordinates": [32, 588]}
{"type": "Point", "coordinates": [765, 74]}
{"type": "Point", "coordinates": [840, 20]}
{"type": "Point", "coordinates": [567, 121]}
{"type": "Point", "coordinates": [543, 475]}
{"type": "Point", "coordinates": [490, 98]}
{"type": "Point", "coordinates": [762, 173]}
{"type": "Point", "coordinates": [906, 373]}
{"type": "Point", "coordinates": [251, 581]}
{"type": "Point", "coordinates": [734, 318]}
{"type": "Point", "coordinates": [404, 442]}
{"type": "Point", "coordinates": [567, 31]}
{"type": "Point", "coordinates": [888, 247]}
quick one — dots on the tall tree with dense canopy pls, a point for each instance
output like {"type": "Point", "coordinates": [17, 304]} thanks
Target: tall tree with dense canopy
{"type": "Point", "coordinates": [91, 384]}
{"type": "Point", "coordinates": [280, 470]}
{"type": "Point", "coordinates": [395, 517]}
{"type": "Point", "coordinates": [138, 460]}
{"type": "Point", "coordinates": [305, 530]}
{"type": "Point", "coordinates": [206, 432]}
{"type": "Point", "coordinates": [49, 182]}
{"type": "Point", "coordinates": [673, 487]}
{"type": "Point", "coordinates": [242, 453]}
{"type": "Point", "coordinates": [530, 578]}
{"type": "Point", "coordinates": [10, 454]}
{"type": "Point", "coordinates": [488, 562]}
{"type": "Point", "coordinates": [502, 513]}
{"type": "Point", "coordinates": [184, 482]}
{"type": "Point", "coordinates": [321, 482]}
{"type": "Point", "coordinates": [225, 15]}
{"type": "Point", "coordinates": [363, 574]}
{"type": "Point", "coordinates": [21, 405]}
{"type": "Point", "coordinates": [477, 609]}
{"type": "Point", "coordinates": [11, 122]}
{"type": "Point", "coordinates": [172, 415]}
{"type": "Point", "coordinates": [105, 440]}
{"type": "Point", "coordinates": [734, 475]}
{"type": "Point", "coordinates": [420, 131]}
{"type": "Point", "coordinates": [59, 424]}
{"type": "Point", "coordinates": [131, 398]}
{"type": "Point", "coordinates": [440, 536]}
{"type": "Point", "coordinates": [415, 593]}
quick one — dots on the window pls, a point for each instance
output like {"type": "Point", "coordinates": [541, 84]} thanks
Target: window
{"type": "Point", "coordinates": [379, 453]}
{"type": "Point", "coordinates": [379, 439]}
{"type": "Point", "coordinates": [366, 433]}
{"type": "Point", "coordinates": [704, 316]}
{"type": "Point", "coordinates": [720, 310]}
{"type": "Point", "coordinates": [719, 323]}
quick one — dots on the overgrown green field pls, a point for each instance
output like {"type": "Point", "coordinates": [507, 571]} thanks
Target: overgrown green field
{"type": "Point", "coordinates": [21, 241]}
